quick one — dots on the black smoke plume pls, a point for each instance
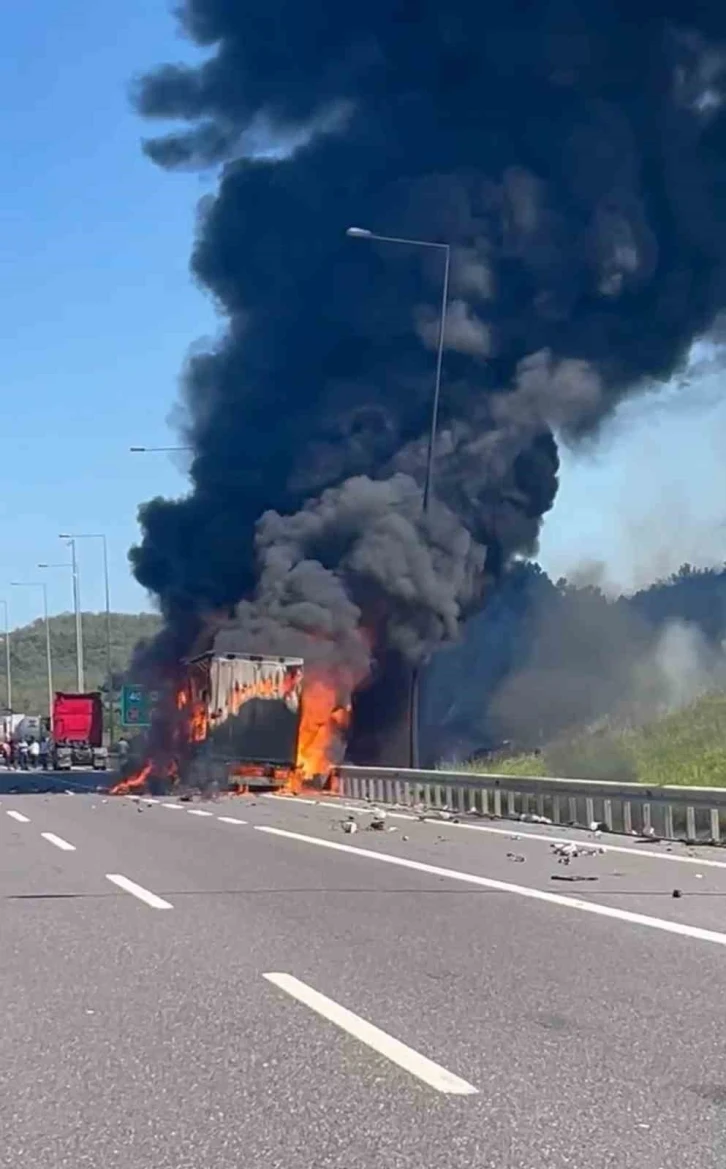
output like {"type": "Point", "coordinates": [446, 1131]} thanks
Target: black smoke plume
{"type": "Point", "coordinates": [574, 157]}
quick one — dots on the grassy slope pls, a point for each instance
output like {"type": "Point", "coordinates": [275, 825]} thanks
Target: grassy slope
{"type": "Point", "coordinates": [688, 747]}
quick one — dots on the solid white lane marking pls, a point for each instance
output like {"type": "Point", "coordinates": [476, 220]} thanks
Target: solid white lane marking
{"type": "Point", "coordinates": [21, 819]}
{"type": "Point", "coordinates": [138, 891]}
{"type": "Point", "coordinates": [198, 812]}
{"type": "Point", "coordinates": [230, 820]}
{"type": "Point", "coordinates": [658, 923]}
{"type": "Point", "coordinates": [519, 828]}
{"type": "Point", "coordinates": [405, 1057]}
{"type": "Point", "coordinates": [58, 841]}
{"type": "Point", "coordinates": [175, 807]}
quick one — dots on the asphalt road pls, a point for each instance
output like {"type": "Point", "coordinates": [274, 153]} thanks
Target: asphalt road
{"type": "Point", "coordinates": [162, 973]}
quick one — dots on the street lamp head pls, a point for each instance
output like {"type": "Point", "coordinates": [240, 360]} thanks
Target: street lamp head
{"type": "Point", "coordinates": [359, 232]}
{"type": "Point", "coordinates": [152, 450]}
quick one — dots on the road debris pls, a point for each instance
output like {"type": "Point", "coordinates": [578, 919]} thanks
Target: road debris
{"type": "Point", "coordinates": [572, 877]}
{"type": "Point", "coordinates": [533, 818]}
{"type": "Point", "coordinates": [378, 823]}
{"type": "Point", "coordinates": [677, 893]}
{"type": "Point", "coordinates": [516, 857]}
{"type": "Point", "coordinates": [570, 851]}
{"type": "Point", "coordinates": [350, 826]}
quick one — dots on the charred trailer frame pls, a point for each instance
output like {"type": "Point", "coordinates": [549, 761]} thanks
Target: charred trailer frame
{"type": "Point", "coordinates": [244, 713]}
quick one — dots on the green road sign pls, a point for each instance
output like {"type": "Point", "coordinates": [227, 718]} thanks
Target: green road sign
{"type": "Point", "coordinates": [136, 705]}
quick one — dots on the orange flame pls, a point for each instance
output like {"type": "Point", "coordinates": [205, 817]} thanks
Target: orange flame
{"type": "Point", "coordinates": [323, 726]}
{"type": "Point", "coordinates": [132, 783]}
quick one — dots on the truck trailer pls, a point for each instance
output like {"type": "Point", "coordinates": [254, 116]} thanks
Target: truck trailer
{"type": "Point", "coordinates": [244, 712]}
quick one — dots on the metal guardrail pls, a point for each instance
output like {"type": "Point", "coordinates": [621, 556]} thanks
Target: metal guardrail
{"type": "Point", "coordinates": [693, 814]}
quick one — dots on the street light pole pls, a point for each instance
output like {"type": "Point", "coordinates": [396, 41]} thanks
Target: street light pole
{"type": "Point", "coordinates": [73, 565]}
{"type": "Point", "coordinates": [152, 450]}
{"type": "Point", "coordinates": [80, 674]}
{"type": "Point", "coordinates": [39, 584]}
{"type": "Point", "coordinates": [363, 233]}
{"type": "Point", "coordinates": [8, 673]}
{"type": "Point", "coordinates": [101, 536]}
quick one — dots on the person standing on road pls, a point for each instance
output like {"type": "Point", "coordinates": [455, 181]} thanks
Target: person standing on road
{"type": "Point", "coordinates": [21, 754]}
{"type": "Point", "coordinates": [44, 754]}
{"type": "Point", "coordinates": [33, 752]}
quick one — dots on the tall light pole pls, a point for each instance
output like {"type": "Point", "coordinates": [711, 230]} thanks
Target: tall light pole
{"type": "Point", "coordinates": [363, 233]}
{"type": "Point", "coordinates": [40, 584]}
{"type": "Point", "coordinates": [8, 673]}
{"type": "Point", "coordinates": [101, 536]}
{"type": "Point", "coordinates": [153, 450]}
{"type": "Point", "coordinates": [73, 565]}
{"type": "Point", "coordinates": [80, 673]}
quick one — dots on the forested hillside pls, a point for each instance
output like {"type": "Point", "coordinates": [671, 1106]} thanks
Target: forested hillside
{"type": "Point", "coordinates": [28, 654]}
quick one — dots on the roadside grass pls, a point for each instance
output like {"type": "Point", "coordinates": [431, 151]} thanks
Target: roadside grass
{"type": "Point", "coordinates": [687, 746]}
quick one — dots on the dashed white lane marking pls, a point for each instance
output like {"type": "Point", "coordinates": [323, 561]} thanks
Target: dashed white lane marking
{"type": "Point", "coordinates": [135, 890]}
{"type": "Point", "coordinates": [515, 827]}
{"type": "Point", "coordinates": [230, 820]}
{"type": "Point", "coordinates": [658, 923]}
{"type": "Point", "coordinates": [198, 812]}
{"type": "Point", "coordinates": [21, 819]}
{"type": "Point", "coordinates": [405, 1057]}
{"type": "Point", "coordinates": [58, 841]}
{"type": "Point", "coordinates": [175, 807]}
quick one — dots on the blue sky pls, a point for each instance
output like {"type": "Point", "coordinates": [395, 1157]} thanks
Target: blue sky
{"type": "Point", "coordinates": [99, 310]}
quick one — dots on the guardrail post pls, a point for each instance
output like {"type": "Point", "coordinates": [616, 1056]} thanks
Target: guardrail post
{"type": "Point", "coordinates": [498, 801]}
{"type": "Point", "coordinates": [511, 804]}
{"type": "Point", "coordinates": [690, 823]}
{"type": "Point", "coordinates": [627, 817]}
{"type": "Point", "coordinates": [647, 822]}
{"type": "Point", "coordinates": [590, 811]}
{"type": "Point", "coordinates": [668, 825]}
{"type": "Point", "coordinates": [607, 811]}
{"type": "Point", "coordinates": [715, 826]}
{"type": "Point", "coordinates": [572, 809]}
{"type": "Point", "coordinates": [556, 810]}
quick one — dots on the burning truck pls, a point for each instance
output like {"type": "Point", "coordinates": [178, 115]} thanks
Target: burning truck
{"type": "Point", "coordinates": [244, 718]}
{"type": "Point", "coordinates": [237, 720]}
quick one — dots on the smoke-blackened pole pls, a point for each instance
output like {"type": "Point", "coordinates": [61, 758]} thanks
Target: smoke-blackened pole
{"type": "Point", "coordinates": [364, 233]}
